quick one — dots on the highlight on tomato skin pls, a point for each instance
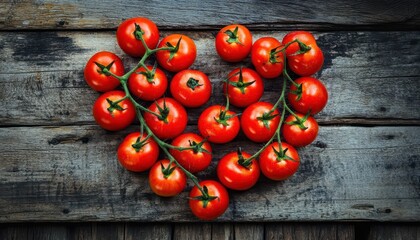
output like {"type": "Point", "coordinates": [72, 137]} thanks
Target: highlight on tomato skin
{"type": "Point", "coordinates": [267, 57]}
{"type": "Point", "coordinates": [279, 164]}
{"type": "Point", "coordinates": [166, 180]}
{"type": "Point", "coordinates": [210, 207]}
{"type": "Point", "coordinates": [299, 133]}
{"type": "Point", "coordinates": [233, 43]}
{"type": "Point", "coordinates": [310, 95]}
{"type": "Point", "coordinates": [181, 58]}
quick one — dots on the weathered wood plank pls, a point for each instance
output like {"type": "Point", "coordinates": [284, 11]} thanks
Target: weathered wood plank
{"type": "Point", "coordinates": [319, 231]}
{"type": "Point", "coordinates": [395, 232]}
{"type": "Point", "coordinates": [253, 231]}
{"type": "Point", "coordinates": [148, 231]}
{"type": "Point", "coordinates": [223, 231]}
{"type": "Point", "coordinates": [192, 231]}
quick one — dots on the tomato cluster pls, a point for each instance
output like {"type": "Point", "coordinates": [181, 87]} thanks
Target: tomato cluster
{"type": "Point", "coordinates": [163, 122]}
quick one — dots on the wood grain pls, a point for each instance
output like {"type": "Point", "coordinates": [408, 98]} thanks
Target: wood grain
{"type": "Point", "coordinates": [394, 232]}
{"type": "Point", "coordinates": [317, 231]}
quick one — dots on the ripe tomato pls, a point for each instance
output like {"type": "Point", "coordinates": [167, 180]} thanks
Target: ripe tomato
{"type": "Point", "coordinates": [165, 180]}
{"type": "Point", "coordinates": [137, 153]}
{"type": "Point", "coordinates": [267, 62]}
{"type": "Point", "coordinates": [172, 118]}
{"type": "Point", "coordinates": [113, 116]}
{"type": "Point", "coordinates": [233, 43]}
{"type": "Point", "coordinates": [300, 136]}
{"type": "Point", "coordinates": [279, 164]}
{"type": "Point", "coordinates": [258, 124]}
{"type": "Point", "coordinates": [218, 125]}
{"type": "Point", "coordinates": [211, 206]}
{"type": "Point", "coordinates": [192, 88]}
{"type": "Point", "coordinates": [311, 95]}
{"type": "Point", "coordinates": [98, 80]}
{"type": "Point", "coordinates": [128, 35]}
{"type": "Point", "coordinates": [182, 57]}
{"type": "Point", "coordinates": [303, 64]}
{"type": "Point", "coordinates": [145, 87]}
{"type": "Point", "coordinates": [194, 160]}
{"type": "Point", "coordinates": [244, 88]}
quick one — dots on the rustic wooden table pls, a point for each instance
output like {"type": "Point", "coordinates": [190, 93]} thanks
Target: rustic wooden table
{"type": "Point", "coordinates": [57, 167]}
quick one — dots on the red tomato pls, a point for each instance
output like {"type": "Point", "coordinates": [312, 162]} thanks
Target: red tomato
{"type": "Point", "coordinates": [245, 88]}
{"type": "Point", "coordinates": [98, 80]}
{"type": "Point", "coordinates": [258, 124]}
{"type": "Point", "coordinates": [113, 116]}
{"type": "Point", "coordinates": [172, 118]}
{"type": "Point", "coordinates": [235, 174]}
{"type": "Point", "coordinates": [267, 62]}
{"type": "Point", "coordinates": [137, 153]}
{"type": "Point", "coordinates": [194, 160]}
{"type": "Point", "coordinates": [233, 43]}
{"type": "Point", "coordinates": [128, 35]}
{"type": "Point", "coordinates": [279, 164]}
{"type": "Point", "coordinates": [218, 125]}
{"type": "Point", "coordinates": [182, 57]}
{"type": "Point", "coordinates": [311, 95]}
{"type": "Point", "coordinates": [148, 88]}
{"type": "Point", "coordinates": [295, 135]}
{"type": "Point", "coordinates": [211, 207]}
{"type": "Point", "coordinates": [167, 181]}
{"type": "Point", "coordinates": [192, 88]}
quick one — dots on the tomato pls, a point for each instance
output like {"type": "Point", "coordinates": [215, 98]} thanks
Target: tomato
{"type": "Point", "coordinates": [112, 115]}
{"type": "Point", "coordinates": [303, 64]}
{"type": "Point", "coordinates": [98, 80]}
{"type": "Point", "coordinates": [237, 174]}
{"type": "Point", "coordinates": [233, 43]}
{"type": "Point", "coordinates": [192, 88]}
{"type": "Point", "coordinates": [137, 153]}
{"type": "Point", "coordinates": [267, 62]}
{"type": "Point", "coordinates": [148, 87]}
{"type": "Point", "coordinates": [300, 133]}
{"type": "Point", "coordinates": [165, 180]}
{"type": "Point", "coordinates": [211, 206]}
{"type": "Point", "coordinates": [182, 57]}
{"type": "Point", "coordinates": [258, 124]}
{"type": "Point", "coordinates": [128, 35]}
{"type": "Point", "coordinates": [279, 164]}
{"type": "Point", "coordinates": [244, 88]}
{"type": "Point", "coordinates": [172, 119]}
{"type": "Point", "coordinates": [218, 125]}
{"type": "Point", "coordinates": [194, 160]}
{"type": "Point", "coordinates": [310, 95]}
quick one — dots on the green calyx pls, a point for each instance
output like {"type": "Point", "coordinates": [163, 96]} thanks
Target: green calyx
{"type": "Point", "coordinates": [193, 83]}
{"type": "Point", "coordinates": [150, 75]}
{"type": "Point", "coordinates": [205, 197]}
{"type": "Point", "coordinates": [240, 84]}
{"type": "Point", "coordinates": [297, 92]}
{"type": "Point", "coordinates": [104, 69]}
{"type": "Point", "coordinates": [198, 147]}
{"type": "Point", "coordinates": [139, 144]}
{"type": "Point", "coordinates": [138, 32]}
{"type": "Point", "coordinates": [274, 55]}
{"type": "Point", "coordinates": [233, 36]}
{"type": "Point", "coordinates": [167, 171]}
{"type": "Point", "coordinates": [114, 106]}
{"type": "Point", "coordinates": [174, 49]}
{"type": "Point", "coordinates": [163, 112]}
{"type": "Point", "coordinates": [300, 121]}
{"type": "Point", "coordinates": [246, 163]}
{"type": "Point", "coordinates": [303, 48]}
{"type": "Point", "coordinates": [266, 118]}
{"type": "Point", "coordinates": [282, 156]}
{"type": "Point", "coordinates": [223, 118]}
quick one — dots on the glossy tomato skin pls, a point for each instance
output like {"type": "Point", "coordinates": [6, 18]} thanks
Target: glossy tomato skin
{"type": "Point", "coordinates": [148, 90]}
{"type": "Point", "coordinates": [118, 119]}
{"type": "Point", "coordinates": [235, 176]}
{"type": "Point", "coordinates": [298, 137]}
{"type": "Point", "coordinates": [276, 168]}
{"type": "Point", "coordinates": [217, 132]}
{"type": "Point", "coordinates": [182, 59]}
{"type": "Point", "coordinates": [99, 81]}
{"type": "Point", "coordinates": [137, 160]}
{"type": "Point", "coordinates": [267, 66]}
{"type": "Point", "coordinates": [128, 41]}
{"type": "Point", "coordinates": [215, 207]}
{"type": "Point", "coordinates": [169, 186]}
{"type": "Point", "coordinates": [234, 51]}
{"type": "Point", "coordinates": [192, 88]}
{"type": "Point", "coordinates": [253, 118]}
{"type": "Point", "coordinates": [244, 96]}
{"type": "Point", "coordinates": [314, 95]}
{"type": "Point", "coordinates": [192, 160]}
{"type": "Point", "coordinates": [176, 120]}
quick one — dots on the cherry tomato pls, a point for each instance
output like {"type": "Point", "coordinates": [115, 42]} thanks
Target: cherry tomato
{"type": "Point", "coordinates": [192, 88]}
{"type": "Point", "coordinates": [211, 206]}
{"type": "Point", "coordinates": [148, 87]}
{"type": "Point", "coordinates": [182, 57]}
{"type": "Point", "coordinates": [279, 164]}
{"type": "Point", "coordinates": [233, 43]}
{"type": "Point", "coordinates": [167, 181]}
{"type": "Point", "coordinates": [129, 32]}
{"type": "Point", "coordinates": [310, 95]}
{"type": "Point", "coordinates": [172, 118]}
{"type": "Point", "coordinates": [266, 57]}
{"type": "Point", "coordinates": [96, 78]}
{"type": "Point", "coordinates": [258, 124]}
{"type": "Point", "coordinates": [244, 87]}
{"type": "Point", "coordinates": [300, 134]}
{"type": "Point", "coordinates": [112, 115]}
{"type": "Point", "coordinates": [137, 153]}
{"type": "Point", "coordinates": [218, 125]}
{"type": "Point", "coordinates": [196, 159]}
